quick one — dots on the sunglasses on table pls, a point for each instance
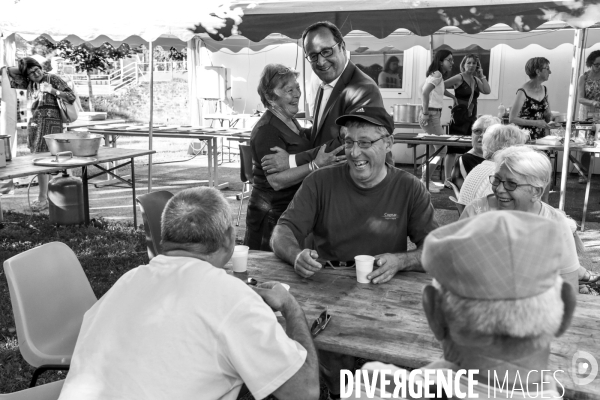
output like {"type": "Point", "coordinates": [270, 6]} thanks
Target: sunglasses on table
{"type": "Point", "coordinates": [320, 323]}
{"type": "Point", "coordinates": [509, 186]}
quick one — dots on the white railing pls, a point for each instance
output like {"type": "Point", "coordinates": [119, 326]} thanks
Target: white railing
{"type": "Point", "coordinates": [122, 78]}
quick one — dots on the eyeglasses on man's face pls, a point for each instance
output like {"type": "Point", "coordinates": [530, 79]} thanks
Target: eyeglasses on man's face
{"type": "Point", "coordinates": [509, 186]}
{"type": "Point", "coordinates": [363, 144]}
{"type": "Point", "coordinates": [478, 131]}
{"type": "Point", "coordinates": [326, 52]}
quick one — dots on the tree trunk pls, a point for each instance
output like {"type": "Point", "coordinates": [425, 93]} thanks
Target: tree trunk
{"type": "Point", "coordinates": [91, 98]}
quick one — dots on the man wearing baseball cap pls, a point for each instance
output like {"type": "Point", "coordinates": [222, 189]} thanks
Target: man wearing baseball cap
{"type": "Point", "coordinates": [362, 207]}
{"type": "Point", "coordinates": [497, 301]}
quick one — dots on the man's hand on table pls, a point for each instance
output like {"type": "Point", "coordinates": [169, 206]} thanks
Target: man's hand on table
{"type": "Point", "coordinates": [306, 263]}
{"type": "Point", "coordinates": [389, 264]}
{"type": "Point", "coordinates": [275, 295]}
{"type": "Point", "coordinates": [277, 162]}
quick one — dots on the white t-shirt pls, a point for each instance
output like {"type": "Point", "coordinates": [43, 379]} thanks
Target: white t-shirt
{"type": "Point", "coordinates": [180, 328]}
{"type": "Point", "coordinates": [436, 96]}
{"type": "Point", "coordinates": [477, 184]}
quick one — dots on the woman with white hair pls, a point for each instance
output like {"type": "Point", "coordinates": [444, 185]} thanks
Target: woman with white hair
{"type": "Point", "coordinates": [495, 138]}
{"type": "Point", "coordinates": [472, 158]}
{"type": "Point", "coordinates": [518, 183]}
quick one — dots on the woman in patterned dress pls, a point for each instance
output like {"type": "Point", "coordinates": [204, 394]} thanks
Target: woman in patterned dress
{"type": "Point", "coordinates": [44, 90]}
{"type": "Point", "coordinates": [589, 97]}
{"type": "Point", "coordinates": [531, 109]}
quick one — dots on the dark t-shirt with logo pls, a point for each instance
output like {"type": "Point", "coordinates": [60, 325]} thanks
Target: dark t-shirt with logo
{"type": "Point", "coordinates": [347, 220]}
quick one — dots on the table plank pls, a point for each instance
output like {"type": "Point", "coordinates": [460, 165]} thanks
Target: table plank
{"type": "Point", "coordinates": [23, 165]}
{"type": "Point", "coordinates": [386, 322]}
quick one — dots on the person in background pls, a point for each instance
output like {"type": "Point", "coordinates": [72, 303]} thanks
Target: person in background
{"type": "Point", "coordinates": [433, 102]}
{"type": "Point", "coordinates": [344, 88]}
{"type": "Point", "coordinates": [467, 86]}
{"type": "Point", "coordinates": [520, 177]}
{"type": "Point", "coordinates": [182, 328]}
{"type": "Point", "coordinates": [44, 89]}
{"type": "Point", "coordinates": [531, 110]}
{"type": "Point", "coordinates": [488, 315]}
{"type": "Point", "coordinates": [464, 164]}
{"type": "Point", "coordinates": [280, 93]}
{"type": "Point", "coordinates": [391, 76]}
{"type": "Point", "coordinates": [589, 98]}
{"type": "Point", "coordinates": [495, 138]}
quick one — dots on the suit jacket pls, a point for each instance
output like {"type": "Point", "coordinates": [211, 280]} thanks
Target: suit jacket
{"type": "Point", "coordinates": [353, 90]}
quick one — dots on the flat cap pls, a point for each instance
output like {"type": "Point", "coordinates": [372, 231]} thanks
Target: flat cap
{"type": "Point", "coordinates": [498, 255]}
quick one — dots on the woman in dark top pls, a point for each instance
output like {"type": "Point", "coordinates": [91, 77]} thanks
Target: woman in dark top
{"type": "Point", "coordinates": [466, 162]}
{"type": "Point", "coordinates": [531, 110]}
{"type": "Point", "coordinates": [279, 91]}
{"type": "Point", "coordinates": [467, 87]}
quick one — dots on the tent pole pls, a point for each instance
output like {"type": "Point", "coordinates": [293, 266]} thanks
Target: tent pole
{"type": "Point", "coordinates": [306, 110]}
{"type": "Point", "coordinates": [150, 127]}
{"type": "Point", "coordinates": [577, 57]}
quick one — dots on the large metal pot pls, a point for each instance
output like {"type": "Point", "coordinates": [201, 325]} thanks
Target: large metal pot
{"type": "Point", "coordinates": [82, 144]}
{"type": "Point", "coordinates": [404, 113]}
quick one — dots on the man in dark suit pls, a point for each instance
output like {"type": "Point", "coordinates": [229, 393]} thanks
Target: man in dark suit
{"type": "Point", "coordinates": [344, 89]}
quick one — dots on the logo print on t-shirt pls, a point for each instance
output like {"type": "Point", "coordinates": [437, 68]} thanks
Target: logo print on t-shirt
{"type": "Point", "coordinates": [390, 216]}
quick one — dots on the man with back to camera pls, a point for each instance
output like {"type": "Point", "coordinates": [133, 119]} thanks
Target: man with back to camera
{"type": "Point", "coordinates": [364, 206]}
{"type": "Point", "coordinates": [181, 328]}
{"type": "Point", "coordinates": [344, 88]}
{"type": "Point", "coordinates": [496, 302]}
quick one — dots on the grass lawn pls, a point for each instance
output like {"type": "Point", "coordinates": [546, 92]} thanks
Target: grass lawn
{"type": "Point", "coordinates": [105, 252]}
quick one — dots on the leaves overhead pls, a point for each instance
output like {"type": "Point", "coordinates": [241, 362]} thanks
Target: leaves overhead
{"type": "Point", "coordinates": [87, 58]}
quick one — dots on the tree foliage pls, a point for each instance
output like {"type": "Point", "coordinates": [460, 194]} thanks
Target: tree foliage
{"type": "Point", "coordinates": [87, 58]}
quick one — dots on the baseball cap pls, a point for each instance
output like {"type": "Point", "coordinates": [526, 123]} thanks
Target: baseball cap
{"type": "Point", "coordinates": [375, 115]}
{"type": "Point", "coordinates": [498, 255]}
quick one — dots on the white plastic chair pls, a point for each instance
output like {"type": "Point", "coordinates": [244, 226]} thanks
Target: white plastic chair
{"type": "Point", "coordinates": [49, 391]}
{"type": "Point", "coordinates": [49, 293]}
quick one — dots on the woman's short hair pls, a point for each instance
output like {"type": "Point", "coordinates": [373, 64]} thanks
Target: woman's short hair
{"type": "Point", "coordinates": [196, 218]}
{"type": "Point", "coordinates": [467, 57]}
{"type": "Point", "coordinates": [498, 136]}
{"type": "Point", "coordinates": [271, 77]}
{"type": "Point", "coordinates": [487, 120]}
{"type": "Point", "coordinates": [25, 64]}
{"type": "Point", "coordinates": [534, 64]}
{"type": "Point", "coordinates": [591, 58]}
{"type": "Point", "coordinates": [535, 320]}
{"type": "Point", "coordinates": [533, 166]}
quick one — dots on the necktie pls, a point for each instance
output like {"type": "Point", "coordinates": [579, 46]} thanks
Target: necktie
{"type": "Point", "coordinates": [316, 113]}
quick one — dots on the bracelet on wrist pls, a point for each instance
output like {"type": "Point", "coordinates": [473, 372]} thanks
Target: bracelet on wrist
{"type": "Point", "coordinates": [310, 166]}
{"type": "Point", "coordinates": [316, 165]}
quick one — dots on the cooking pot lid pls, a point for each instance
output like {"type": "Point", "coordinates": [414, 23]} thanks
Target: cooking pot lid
{"type": "Point", "coordinates": [66, 162]}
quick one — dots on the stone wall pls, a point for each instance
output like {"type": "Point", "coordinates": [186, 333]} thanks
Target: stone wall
{"type": "Point", "coordinates": [133, 104]}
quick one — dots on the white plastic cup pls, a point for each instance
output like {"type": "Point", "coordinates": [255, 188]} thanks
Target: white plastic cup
{"type": "Point", "coordinates": [364, 266]}
{"type": "Point", "coordinates": [239, 259]}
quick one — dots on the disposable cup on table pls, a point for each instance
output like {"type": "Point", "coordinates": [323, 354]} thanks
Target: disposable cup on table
{"type": "Point", "coordinates": [239, 259]}
{"type": "Point", "coordinates": [364, 266]}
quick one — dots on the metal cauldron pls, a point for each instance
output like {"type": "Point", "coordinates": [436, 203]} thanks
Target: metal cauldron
{"type": "Point", "coordinates": [6, 139]}
{"type": "Point", "coordinates": [82, 144]}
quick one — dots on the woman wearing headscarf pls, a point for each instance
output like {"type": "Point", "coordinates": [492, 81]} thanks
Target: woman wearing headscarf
{"type": "Point", "coordinates": [44, 90]}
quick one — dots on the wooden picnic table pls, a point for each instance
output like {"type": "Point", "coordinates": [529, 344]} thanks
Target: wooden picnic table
{"type": "Point", "coordinates": [386, 322]}
{"type": "Point", "coordinates": [210, 136]}
{"type": "Point", "coordinates": [23, 166]}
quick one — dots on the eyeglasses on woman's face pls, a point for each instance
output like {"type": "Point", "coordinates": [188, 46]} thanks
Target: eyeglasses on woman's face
{"type": "Point", "coordinates": [478, 131]}
{"type": "Point", "coordinates": [34, 72]}
{"type": "Point", "coordinates": [326, 52]}
{"type": "Point", "coordinates": [509, 186]}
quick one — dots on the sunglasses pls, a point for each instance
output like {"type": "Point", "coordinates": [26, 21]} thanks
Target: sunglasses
{"type": "Point", "coordinates": [280, 72]}
{"type": "Point", "coordinates": [320, 323]}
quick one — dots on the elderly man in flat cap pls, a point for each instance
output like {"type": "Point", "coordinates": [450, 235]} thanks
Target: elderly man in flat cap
{"type": "Point", "coordinates": [497, 301]}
